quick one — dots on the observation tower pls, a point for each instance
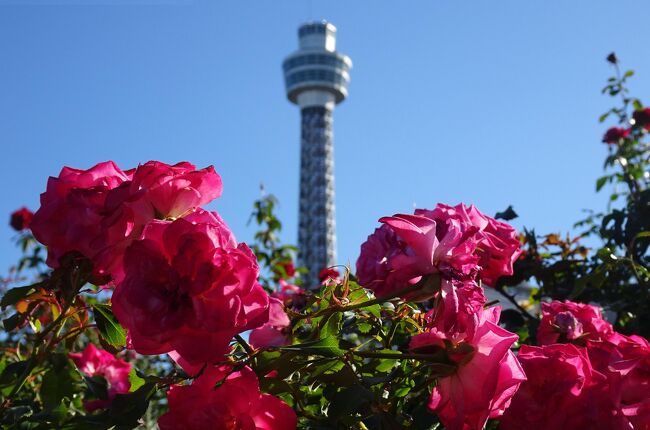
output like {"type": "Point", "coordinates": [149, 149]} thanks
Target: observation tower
{"type": "Point", "coordinates": [316, 78]}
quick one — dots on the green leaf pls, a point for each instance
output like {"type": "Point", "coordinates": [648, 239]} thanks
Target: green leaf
{"type": "Point", "coordinates": [56, 385]}
{"type": "Point", "coordinates": [507, 215]}
{"type": "Point", "coordinates": [15, 374]}
{"type": "Point", "coordinates": [331, 325]}
{"type": "Point", "coordinates": [375, 310]}
{"type": "Point", "coordinates": [637, 104]}
{"type": "Point", "coordinates": [642, 234]}
{"type": "Point", "coordinates": [326, 347]}
{"type": "Point", "coordinates": [401, 392]}
{"type": "Point", "coordinates": [603, 117]}
{"type": "Point", "coordinates": [628, 74]}
{"type": "Point", "coordinates": [348, 402]}
{"type": "Point", "coordinates": [15, 295]}
{"type": "Point", "coordinates": [592, 280]}
{"type": "Point", "coordinates": [600, 183]}
{"type": "Point", "coordinates": [98, 385]}
{"type": "Point", "coordinates": [364, 327]}
{"type": "Point", "coordinates": [135, 380]}
{"type": "Point", "coordinates": [606, 255]}
{"type": "Point", "coordinates": [385, 365]}
{"type": "Point", "coordinates": [109, 328]}
{"type": "Point", "coordinates": [127, 409]}
{"type": "Point", "coordinates": [13, 321]}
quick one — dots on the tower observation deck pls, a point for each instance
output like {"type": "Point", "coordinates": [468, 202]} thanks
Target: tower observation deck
{"type": "Point", "coordinates": [316, 78]}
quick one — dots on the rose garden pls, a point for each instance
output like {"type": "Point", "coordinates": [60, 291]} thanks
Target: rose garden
{"type": "Point", "coordinates": [134, 307]}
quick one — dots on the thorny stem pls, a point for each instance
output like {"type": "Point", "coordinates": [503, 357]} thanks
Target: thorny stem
{"type": "Point", "coordinates": [393, 355]}
{"type": "Point", "coordinates": [379, 300]}
{"type": "Point", "coordinates": [244, 345]}
{"type": "Point", "coordinates": [512, 300]}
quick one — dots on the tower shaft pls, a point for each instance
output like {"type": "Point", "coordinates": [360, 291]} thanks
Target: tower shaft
{"type": "Point", "coordinates": [317, 226]}
{"type": "Point", "coordinates": [316, 78]}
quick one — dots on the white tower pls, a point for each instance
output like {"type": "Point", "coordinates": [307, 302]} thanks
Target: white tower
{"type": "Point", "coordinates": [316, 78]}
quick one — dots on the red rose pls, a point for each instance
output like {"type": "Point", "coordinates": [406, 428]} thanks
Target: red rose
{"type": "Point", "coordinates": [642, 118]}
{"type": "Point", "coordinates": [329, 273]}
{"type": "Point", "coordinates": [236, 403]}
{"type": "Point", "coordinates": [289, 268]}
{"type": "Point", "coordinates": [189, 287]}
{"type": "Point", "coordinates": [21, 219]}
{"type": "Point", "coordinates": [615, 134]}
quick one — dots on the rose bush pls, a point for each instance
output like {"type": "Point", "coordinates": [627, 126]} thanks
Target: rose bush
{"type": "Point", "coordinates": [214, 333]}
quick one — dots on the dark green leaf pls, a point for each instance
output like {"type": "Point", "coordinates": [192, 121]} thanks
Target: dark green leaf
{"type": "Point", "coordinates": [348, 402]}
{"type": "Point", "coordinates": [15, 295]}
{"type": "Point", "coordinates": [326, 347]}
{"type": "Point", "coordinates": [127, 409]}
{"type": "Point", "coordinates": [507, 215]}
{"type": "Point", "coordinates": [13, 321]}
{"type": "Point", "coordinates": [56, 385]}
{"type": "Point", "coordinates": [109, 328]}
{"type": "Point", "coordinates": [600, 183]}
{"type": "Point", "coordinates": [98, 386]}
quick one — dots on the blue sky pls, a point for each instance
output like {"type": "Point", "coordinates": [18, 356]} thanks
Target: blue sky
{"type": "Point", "coordinates": [492, 103]}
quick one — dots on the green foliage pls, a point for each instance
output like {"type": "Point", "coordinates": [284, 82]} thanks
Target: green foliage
{"type": "Point", "coordinates": [614, 273]}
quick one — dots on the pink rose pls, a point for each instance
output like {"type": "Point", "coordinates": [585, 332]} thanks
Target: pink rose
{"type": "Point", "coordinates": [562, 391]}
{"type": "Point", "coordinates": [499, 248]}
{"type": "Point", "coordinates": [625, 362]}
{"type": "Point", "coordinates": [408, 247]}
{"type": "Point", "coordinates": [276, 331]}
{"type": "Point", "coordinates": [615, 134]}
{"type": "Point", "coordinates": [485, 376]}
{"type": "Point", "coordinates": [384, 264]}
{"type": "Point", "coordinates": [457, 242]}
{"type": "Point", "coordinates": [458, 309]}
{"type": "Point", "coordinates": [159, 190]}
{"type": "Point", "coordinates": [189, 287]}
{"type": "Point", "coordinates": [97, 362]}
{"type": "Point", "coordinates": [571, 322]}
{"type": "Point", "coordinates": [72, 210]}
{"type": "Point", "coordinates": [498, 244]}
{"type": "Point", "coordinates": [236, 403]}
{"type": "Point", "coordinates": [292, 296]}
{"type": "Point", "coordinates": [21, 219]}
{"type": "Point", "coordinates": [156, 191]}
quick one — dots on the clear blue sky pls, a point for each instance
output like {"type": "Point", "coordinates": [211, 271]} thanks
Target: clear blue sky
{"type": "Point", "coordinates": [492, 103]}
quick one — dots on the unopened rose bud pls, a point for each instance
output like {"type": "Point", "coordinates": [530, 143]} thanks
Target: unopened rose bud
{"type": "Point", "coordinates": [612, 58]}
